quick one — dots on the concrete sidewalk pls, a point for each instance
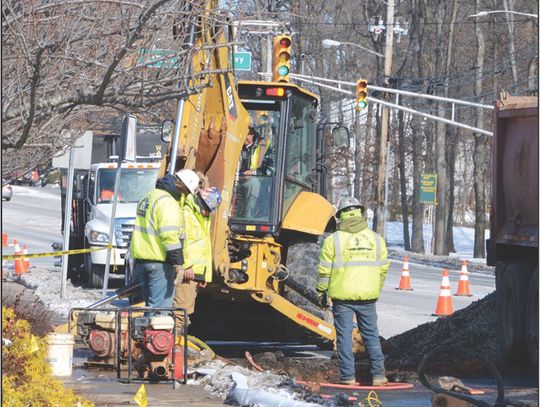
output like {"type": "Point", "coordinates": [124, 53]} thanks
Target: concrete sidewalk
{"type": "Point", "coordinates": [103, 389]}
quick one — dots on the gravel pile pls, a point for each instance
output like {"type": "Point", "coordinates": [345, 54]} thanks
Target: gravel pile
{"type": "Point", "coordinates": [472, 329]}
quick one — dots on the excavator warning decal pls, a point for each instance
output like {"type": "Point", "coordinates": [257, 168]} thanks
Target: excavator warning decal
{"type": "Point", "coordinates": [310, 321]}
{"type": "Point", "coordinates": [233, 114]}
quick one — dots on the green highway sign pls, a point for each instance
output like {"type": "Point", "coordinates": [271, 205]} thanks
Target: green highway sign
{"type": "Point", "coordinates": [242, 61]}
{"type": "Point", "coordinates": [428, 188]}
{"type": "Point", "coordinates": [157, 58]}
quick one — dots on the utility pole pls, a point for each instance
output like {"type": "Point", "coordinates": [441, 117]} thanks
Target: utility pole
{"type": "Point", "coordinates": [381, 207]}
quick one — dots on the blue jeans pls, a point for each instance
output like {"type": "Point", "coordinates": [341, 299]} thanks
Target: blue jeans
{"type": "Point", "coordinates": [366, 317]}
{"type": "Point", "coordinates": [157, 283]}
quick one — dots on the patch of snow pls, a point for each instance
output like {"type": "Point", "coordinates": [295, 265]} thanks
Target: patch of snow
{"type": "Point", "coordinates": [46, 285]}
{"type": "Point", "coordinates": [41, 193]}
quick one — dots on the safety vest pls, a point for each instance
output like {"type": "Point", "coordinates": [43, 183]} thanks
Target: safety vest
{"type": "Point", "coordinates": [157, 227]}
{"type": "Point", "coordinates": [353, 266]}
{"type": "Point", "coordinates": [258, 154]}
{"type": "Point", "coordinates": [197, 241]}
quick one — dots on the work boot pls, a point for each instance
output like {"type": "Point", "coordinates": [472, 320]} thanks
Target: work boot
{"type": "Point", "coordinates": [379, 381]}
{"type": "Point", "coordinates": [348, 382]}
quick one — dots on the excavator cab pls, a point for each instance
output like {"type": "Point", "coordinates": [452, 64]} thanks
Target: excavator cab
{"type": "Point", "coordinates": [279, 161]}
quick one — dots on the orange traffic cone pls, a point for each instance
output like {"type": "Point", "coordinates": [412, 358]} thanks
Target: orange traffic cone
{"type": "Point", "coordinates": [405, 280]}
{"type": "Point", "coordinates": [26, 260]}
{"type": "Point", "coordinates": [19, 263]}
{"type": "Point", "coordinates": [463, 286]}
{"type": "Point", "coordinates": [444, 303]}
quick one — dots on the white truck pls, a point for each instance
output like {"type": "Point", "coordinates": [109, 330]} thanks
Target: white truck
{"type": "Point", "coordinates": [136, 180]}
{"type": "Point", "coordinates": [92, 202]}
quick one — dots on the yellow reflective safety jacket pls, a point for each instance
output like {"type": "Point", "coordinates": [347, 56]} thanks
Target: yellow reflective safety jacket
{"type": "Point", "coordinates": [157, 228]}
{"type": "Point", "coordinates": [197, 241]}
{"type": "Point", "coordinates": [353, 266]}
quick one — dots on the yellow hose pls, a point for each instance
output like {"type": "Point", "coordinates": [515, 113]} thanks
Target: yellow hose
{"type": "Point", "coordinates": [196, 344]}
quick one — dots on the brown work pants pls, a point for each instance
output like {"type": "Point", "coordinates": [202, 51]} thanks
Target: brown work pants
{"type": "Point", "coordinates": [185, 294]}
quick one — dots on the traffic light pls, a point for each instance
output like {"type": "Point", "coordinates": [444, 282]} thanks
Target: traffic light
{"type": "Point", "coordinates": [282, 58]}
{"type": "Point", "coordinates": [361, 94]}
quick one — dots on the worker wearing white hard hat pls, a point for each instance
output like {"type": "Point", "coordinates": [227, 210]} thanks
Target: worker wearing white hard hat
{"type": "Point", "coordinates": [156, 242]}
{"type": "Point", "coordinates": [197, 211]}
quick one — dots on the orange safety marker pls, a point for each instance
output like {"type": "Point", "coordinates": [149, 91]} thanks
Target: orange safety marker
{"type": "Point", "coordinates": [26, 260]}
{"type": "Point", "coordinates": [405, 280]}
{"type": "Point", "coordinates": [444, 303]}
{"type": "Point", "coordinates": [19, 263]}
{"type": "Point", "coordinates": [4, 239]}
{"type": "Point", "coordinates": [463, 288]}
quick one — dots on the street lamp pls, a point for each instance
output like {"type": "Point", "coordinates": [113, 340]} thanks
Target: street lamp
{"type": "Point", "coordinates": [327, 43]}
{"type": "Point", "coordinates": [519, 13]}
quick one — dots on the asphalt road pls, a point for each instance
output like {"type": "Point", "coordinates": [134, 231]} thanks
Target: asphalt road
{"type": "Point", "coordinates": [400, 311]}
{"type": "Point", "coordinates": [33, 218]}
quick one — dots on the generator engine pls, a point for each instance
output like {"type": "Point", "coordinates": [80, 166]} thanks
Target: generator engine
{"type": "Point", "coordinates": [148, 349]}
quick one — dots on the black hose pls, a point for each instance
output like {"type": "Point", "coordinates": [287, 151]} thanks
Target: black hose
{"type": "Point", "coordinates": [500, 402]}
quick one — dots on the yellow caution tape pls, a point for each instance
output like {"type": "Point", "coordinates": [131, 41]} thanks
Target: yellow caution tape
{"type": "Point", "coordinates": [52, 254]}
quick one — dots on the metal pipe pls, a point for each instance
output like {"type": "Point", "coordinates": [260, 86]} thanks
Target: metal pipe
{"type": "Point", "coordinates": [67, 218]}
{"type": "Point", "coordinates": [176, 136]}
{"type": "Point", "coordinates": [430, 116]}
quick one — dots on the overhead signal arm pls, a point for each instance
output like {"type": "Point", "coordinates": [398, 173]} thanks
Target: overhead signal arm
{"type": "Point", "coordinates": [331, 84]}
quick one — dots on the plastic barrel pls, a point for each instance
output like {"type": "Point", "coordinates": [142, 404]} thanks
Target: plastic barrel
{"type": "Point", "coordinates": [60, 353]}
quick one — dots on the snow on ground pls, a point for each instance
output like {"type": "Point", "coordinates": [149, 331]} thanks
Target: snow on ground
{"type": "Point", "coordinates": [46, 285]}
{"type": "Point", "coordinates": [47, 192]}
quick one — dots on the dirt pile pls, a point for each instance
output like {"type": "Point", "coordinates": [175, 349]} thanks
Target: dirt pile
{"type": "Point", "coordinates": [472, 329]}
{"type": "Point", "coordinates": [309, 369]}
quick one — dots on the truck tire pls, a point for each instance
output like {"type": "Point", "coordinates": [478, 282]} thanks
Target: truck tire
{"type": "Point", "coordinates": [94, 273]}
{"type": "Point", "coordinates": [531, 326]}
{"type": "Point", "coordinates": [301, 261]}
{"type": "Point", "coordinates": [511, 307]}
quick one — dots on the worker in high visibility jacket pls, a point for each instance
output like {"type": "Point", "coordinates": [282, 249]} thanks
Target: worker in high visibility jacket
{"type": "Point", "coordinates": [352, 268]}
{"type": "Point", "coordinates": [156, 245]}
{"type": "Point", "coordinates": [256, 160]}
{"type": "Point", "coordinates": [197, 211]}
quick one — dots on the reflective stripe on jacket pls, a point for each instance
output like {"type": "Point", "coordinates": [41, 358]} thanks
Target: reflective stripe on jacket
{"type": "Point", "coordinates": [157, 227]}
{"type": "Point", "coordinates": [258, 154]}
{"type": "Point", "coordinates": [353, 266]}
{"type": "Point", "coordinates": [197, 242]}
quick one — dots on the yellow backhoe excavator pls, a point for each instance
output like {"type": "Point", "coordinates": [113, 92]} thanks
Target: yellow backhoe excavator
{"type": "Point", "coordinates": [266, 229]}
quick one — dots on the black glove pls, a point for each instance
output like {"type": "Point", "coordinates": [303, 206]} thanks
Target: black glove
{"type": "Point", "coordinates": [322, 299]}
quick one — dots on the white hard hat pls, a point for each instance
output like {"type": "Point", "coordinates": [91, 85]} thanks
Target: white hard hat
{"type": "Point", "coordinates": [189, 178]}
{"type": "Point", "coordinates": [347, 202]}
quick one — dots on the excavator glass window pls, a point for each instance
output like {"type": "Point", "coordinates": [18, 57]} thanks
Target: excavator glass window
{"type": "Point", "coordinates": [278, 158]}
{"type": "Point", "coordinates": [299, 149]}
{"type": "Point", "coordinates": [257, 166]}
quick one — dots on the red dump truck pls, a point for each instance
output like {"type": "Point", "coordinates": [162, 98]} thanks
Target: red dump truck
{"type": "Point", "coordinates": [513, 244]}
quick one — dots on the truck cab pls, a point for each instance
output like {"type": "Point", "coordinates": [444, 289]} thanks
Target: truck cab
{"type": "Point", "coordinates": [136, 180]}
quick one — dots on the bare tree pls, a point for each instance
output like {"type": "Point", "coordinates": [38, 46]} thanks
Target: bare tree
{"type": "Point", "coordinates": [64, 63]}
